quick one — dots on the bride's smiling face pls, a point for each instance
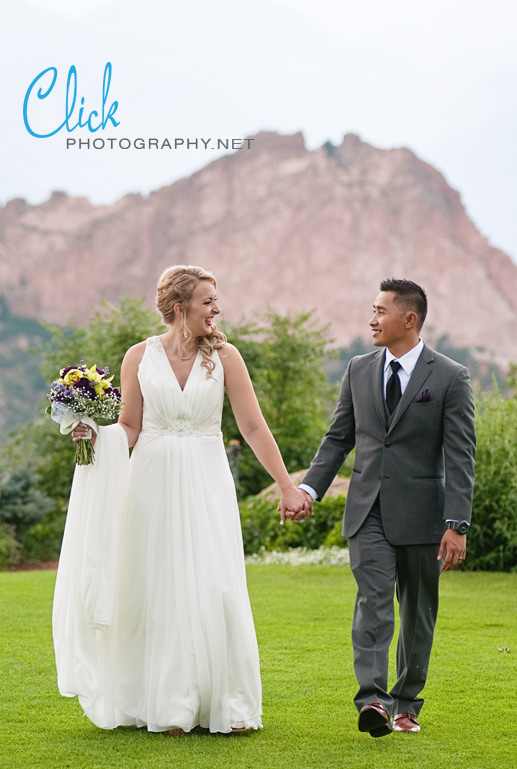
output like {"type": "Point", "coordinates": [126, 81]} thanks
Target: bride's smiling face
{"type": "Point", "coordinates": [203, 309]}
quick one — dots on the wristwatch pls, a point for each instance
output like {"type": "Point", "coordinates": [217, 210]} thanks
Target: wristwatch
{"type": "Point", "coordinates": [461, 527]}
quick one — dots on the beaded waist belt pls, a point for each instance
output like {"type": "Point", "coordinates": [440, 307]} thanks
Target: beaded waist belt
{"type": "Point", "coordinates": [182, 429]}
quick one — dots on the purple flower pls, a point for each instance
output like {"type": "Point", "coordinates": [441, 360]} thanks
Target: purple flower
{"type": "Point", "coordinates": [85, 388]}
{"type": "Point", "coordinates": [112, 392]}
{"type": "Point", "coordinates": [64, 394]}
{"type": "Point", "coordinates": [65, 371]}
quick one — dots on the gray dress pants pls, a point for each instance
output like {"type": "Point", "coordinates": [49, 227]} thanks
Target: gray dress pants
{"type": "Point", "coordinates": [379, 568]}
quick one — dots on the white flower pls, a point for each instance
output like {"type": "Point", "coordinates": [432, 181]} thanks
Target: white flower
{"type": "Point", "coordinates": [302, 556]}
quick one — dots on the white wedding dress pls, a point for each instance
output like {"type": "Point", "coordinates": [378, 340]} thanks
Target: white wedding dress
{"type": "Point", "coordinates": [152, 622]}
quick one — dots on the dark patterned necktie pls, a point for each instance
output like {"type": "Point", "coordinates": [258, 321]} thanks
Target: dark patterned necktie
{"type": "Point", "coordinates": [393, 390]}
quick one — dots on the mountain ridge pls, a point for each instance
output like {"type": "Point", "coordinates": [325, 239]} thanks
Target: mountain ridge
{"type": "Point", "coordinates": [280, 226]}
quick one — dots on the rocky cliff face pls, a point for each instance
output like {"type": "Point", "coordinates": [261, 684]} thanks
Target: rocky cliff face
{"type": "Point", "coordinates": [279, 226]}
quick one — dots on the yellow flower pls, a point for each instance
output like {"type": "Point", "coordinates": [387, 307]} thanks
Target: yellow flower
{"type": "Point", "coordinates": [94, 376]}
{"type": "Point", "coordinates": [72, 376]}
{"type": "Point", "coordinates": [101, 387]}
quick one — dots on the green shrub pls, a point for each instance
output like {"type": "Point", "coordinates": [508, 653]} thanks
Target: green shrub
{"type": "Point", "coordinates": [21, 502]}
{"type": "Point", "coordinates": [285, 357]}
{"type": "Point", "coordinates": [492, 540]}
{"type": "Point", "coordinates": [10, 548]}
{"type": "Point", "coordinates": [261, 525]}
{"type": "Point", "coordinates": [42, 542]}
{"type": "Point", "coordinates": [23, 507]}
{"type": "Point", "coordinates": [334, 538]}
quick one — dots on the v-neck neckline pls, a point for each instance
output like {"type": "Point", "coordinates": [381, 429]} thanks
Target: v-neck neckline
{"type": "Point", "coordinates": [182, 389]}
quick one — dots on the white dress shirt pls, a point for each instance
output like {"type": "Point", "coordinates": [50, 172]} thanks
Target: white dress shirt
{"type": "Point", "coordinates": [407, 363]}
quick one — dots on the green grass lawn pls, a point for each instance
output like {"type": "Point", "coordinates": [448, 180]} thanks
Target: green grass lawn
{"type": "Point", "coordinates": [303, 618]}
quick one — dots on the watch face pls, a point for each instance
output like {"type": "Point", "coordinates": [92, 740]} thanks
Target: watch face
{"type": "Point", "coordinates": [463, 528]}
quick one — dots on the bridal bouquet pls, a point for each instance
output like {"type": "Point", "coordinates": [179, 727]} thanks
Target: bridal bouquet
{"type": "Point", "coordinates": [83, 394]}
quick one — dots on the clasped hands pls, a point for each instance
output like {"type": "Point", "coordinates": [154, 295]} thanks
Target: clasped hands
{"type": "Point", "coordinates": [295, 504]}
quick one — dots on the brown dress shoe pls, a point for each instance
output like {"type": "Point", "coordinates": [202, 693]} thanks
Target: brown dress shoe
{"type": "Point", "coordinates": [405, 722]}
{"type": "Point", "coordinates": [374, 718]}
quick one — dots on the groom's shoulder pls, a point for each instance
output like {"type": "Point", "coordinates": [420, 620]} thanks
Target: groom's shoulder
{"type": "Point", "coordinates": [361, 363]}
{"type": "Point", "coordinates": [442, 361]}
{"type": "Point", "coordinates": [366, 358]}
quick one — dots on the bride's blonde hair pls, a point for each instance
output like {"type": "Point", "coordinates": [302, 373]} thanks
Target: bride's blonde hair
{"type": "Point", "coordinates": [175, 286]}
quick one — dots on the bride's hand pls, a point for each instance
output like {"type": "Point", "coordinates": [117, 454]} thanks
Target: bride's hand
{"type": "Point", "coordinates": [82, 432]}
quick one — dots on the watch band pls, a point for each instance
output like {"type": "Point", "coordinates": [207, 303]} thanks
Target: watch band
{"type": "Point", "coordinates": [461, 527]}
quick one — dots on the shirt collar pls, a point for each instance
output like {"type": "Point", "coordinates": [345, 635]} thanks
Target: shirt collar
{"type": "Point", "coordinates": [407, 361]}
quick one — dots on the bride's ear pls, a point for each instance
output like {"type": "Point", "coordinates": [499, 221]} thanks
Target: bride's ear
{"type": "Point", "coordinates": [178, 310]}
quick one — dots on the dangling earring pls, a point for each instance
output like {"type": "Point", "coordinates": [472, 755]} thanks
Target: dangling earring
{"type": "Point", "coordinates": [184, 327]}
{"type": "Point", "coordinates": [187, 357]}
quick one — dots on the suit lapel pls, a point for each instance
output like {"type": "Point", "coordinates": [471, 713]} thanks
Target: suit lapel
{"type": "Point", "coordinates": [420, 373]}
{"type": "Point", "coordinates": [376, 383]}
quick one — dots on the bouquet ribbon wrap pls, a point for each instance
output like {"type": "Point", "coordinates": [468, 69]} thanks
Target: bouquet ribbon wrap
{"type": "Point", "coordinates": [66, 426]}
{"type": "Point", "coordinates": [68, 420]}
{"type": "Point", "coordinates": [86, 585]}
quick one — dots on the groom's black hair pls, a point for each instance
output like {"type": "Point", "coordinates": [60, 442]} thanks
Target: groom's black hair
{"type": "Point", "coordinates": [409, 295]}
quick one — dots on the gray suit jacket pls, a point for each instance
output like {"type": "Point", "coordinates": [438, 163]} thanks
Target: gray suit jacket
{"type": "Point", "coordinates": [420, 462]}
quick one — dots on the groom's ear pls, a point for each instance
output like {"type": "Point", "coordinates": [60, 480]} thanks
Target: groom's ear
{"type": "Point", "coordinates": [411, 319]}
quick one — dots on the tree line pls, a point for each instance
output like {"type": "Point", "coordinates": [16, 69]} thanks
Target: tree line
{"type": "Point", "coordinates": [287, 357]}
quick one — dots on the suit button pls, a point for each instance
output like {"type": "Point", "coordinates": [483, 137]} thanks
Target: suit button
{"type": "Point", "coordinates": [387, 444]}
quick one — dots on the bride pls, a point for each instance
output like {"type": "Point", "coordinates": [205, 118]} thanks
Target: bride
{"type": "Point", "coordinates": [152, 622]}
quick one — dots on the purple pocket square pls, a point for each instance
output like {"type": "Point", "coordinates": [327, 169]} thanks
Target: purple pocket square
{"type": "Point", "coordinates": [424, 397]}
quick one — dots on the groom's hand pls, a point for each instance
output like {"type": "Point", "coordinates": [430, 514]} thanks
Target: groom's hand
{"type": "Point", "coordinates": [453, 549]}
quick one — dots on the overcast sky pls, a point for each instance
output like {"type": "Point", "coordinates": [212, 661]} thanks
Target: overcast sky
{"type": "Point", "coordinates": [439, 78]}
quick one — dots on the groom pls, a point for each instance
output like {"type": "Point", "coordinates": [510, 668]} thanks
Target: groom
{"type": "Point", "coordinates": [409, 413]}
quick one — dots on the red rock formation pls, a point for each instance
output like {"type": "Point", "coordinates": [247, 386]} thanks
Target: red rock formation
{"type": "Point", "coordinates": [279, 226]}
